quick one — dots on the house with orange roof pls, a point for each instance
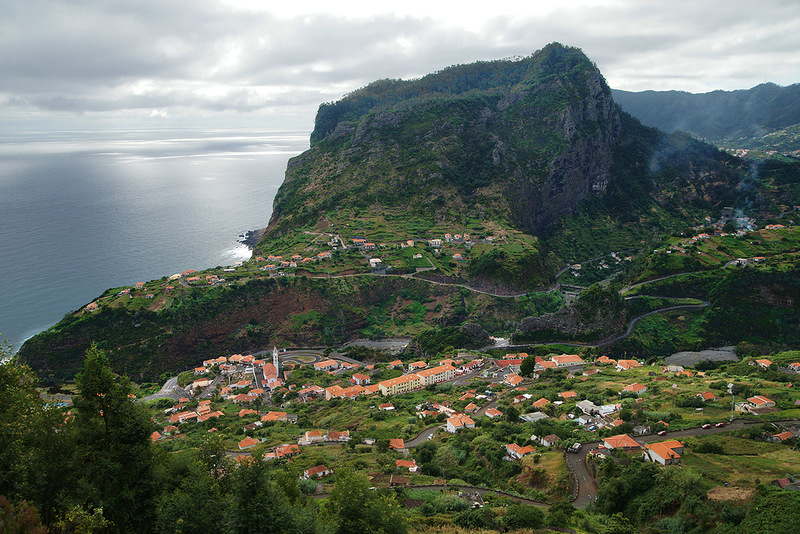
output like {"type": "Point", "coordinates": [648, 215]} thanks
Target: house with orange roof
{"type": "Point", "coordinates": [568, 360]}
{"type": "Point", "coordinates": [541, 366]}
{"type": "Point", "coordinates": [248, 442]}
{"type": "Point", "coordinates": [518, 453]}
{"type": "Point", "coordinates": [411, 465]}
{"type": "Point", "coordinates": [491, 413]}
{"type": "Point", "coordinates": [394, 363]}
{"type": "Point", "coordinates": [636, 387]}
{"type": "Point", "coordinates": [764, 364]}
{"type": "Point", "coordinates": [457, 422]}
{"type": "Point", "coordinates": [386, 406]}
{"type": "Point", "coordinates": [707, 396]}
{"type": "Point", "coordinates": [471, 365]}
{"type": "Point", "coordinates": [180, 417]}
{"type": "Point", "coordinates": [780, 437]}
{"type": "Point", "coordinates": [352, 392]}
{"type": "Point", "coordinates": [155, 436]}
{"type": "Point", "coordinates": [310, 392]}
{"type": "Point", "coordinates": [512, 364]}
{"type": "Point", "coordinates": [244, 412]}
{"type": "Point", "coordinates": [274, 416]}
{"type": "Point", "coordinates": [318, 471]}
{"type": "Point", "coordinates": [334, 392]}
{"type": "Point", "coordinates": [512, 380]}
{"type": "Point", "coordinates": [568, 395]}
{"type": "Point", "coordinates": [201, 383]}
{"type": "Point", "coordinates": [333, 435]}
{"type": "Point", "coordinates": [756, 405]}
{"type": "Point", "coordinates": [416, 366]}
{"type": "Point", "coordinates": [471, 408]}
{"type": "Point", "coordinates": [664, 453]}
{"type": "Point", "coordinates": [360, 379]}
{"type": "Point", "coordinates": [210, 415]}
{"type": "Point", "coordinates": [621, 441]}
{"type": "Point", "coordinates": [326, 365]}
{"type": "Point", "coordinates": [605, 360]}
{"type": "Point", "coordinates": [286, 451]}
{"type": "Point", "coordinates": [541, 403]}
{"type": "Point", "coordinates": [314, 436]}
{"type": "Point", "coordinates": [170, 429]}
{"type": "Point", "coordinates": [397, 444]}
{"type": "Point", "coordinates": [370, 389]}
{"type": "Point", "coordinates": [243, 398]}
{"type": "Point", "coordinates": [624, 365]}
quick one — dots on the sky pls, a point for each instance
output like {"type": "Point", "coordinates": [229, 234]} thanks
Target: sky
{"type": "Point", "coordinates": [244, 63]}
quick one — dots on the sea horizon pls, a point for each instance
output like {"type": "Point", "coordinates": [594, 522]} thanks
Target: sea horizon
{"type": "Point", "coordinates": [82, 211]}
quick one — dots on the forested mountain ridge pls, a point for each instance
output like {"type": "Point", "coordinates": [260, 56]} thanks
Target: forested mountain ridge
{"type": "Point", "coordinates": [765, 116]}
{"type": "Point", "coordinates": [522, 141]}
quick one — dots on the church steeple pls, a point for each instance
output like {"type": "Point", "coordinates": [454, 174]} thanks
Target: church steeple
{"type": "Point", "coordinates": [275, 361]}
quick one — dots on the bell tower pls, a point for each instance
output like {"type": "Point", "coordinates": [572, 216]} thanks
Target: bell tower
{"type": "Point", "coordinates": [275, 361]}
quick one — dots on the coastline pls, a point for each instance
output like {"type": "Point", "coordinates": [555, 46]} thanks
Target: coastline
{"type": "Point", "coordinates": [251, 238]}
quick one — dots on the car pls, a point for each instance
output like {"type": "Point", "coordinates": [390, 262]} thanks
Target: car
{"type": "Point", "coordinates": [719, 425]}
{"type": "Point", "coordinates": [575, 447]}
{"type": "Point", "coordinates": [662, 433]}
{"type": "Point", "coordinates": [707, 425]}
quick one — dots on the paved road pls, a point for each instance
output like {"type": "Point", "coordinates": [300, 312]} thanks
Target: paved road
{"type": "Point", "coordinates": [170, 390]}
{"type": "Point", "coordinates": [422, 437]}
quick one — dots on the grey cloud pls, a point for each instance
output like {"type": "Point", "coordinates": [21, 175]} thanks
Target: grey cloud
{"type": "Point", "coordinates": [109, 55]}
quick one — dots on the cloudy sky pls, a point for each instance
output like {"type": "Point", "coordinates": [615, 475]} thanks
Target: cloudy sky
{"type": "Point", "coordinates": [239, 63]}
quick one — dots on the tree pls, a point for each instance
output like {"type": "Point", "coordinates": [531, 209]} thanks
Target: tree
{"type": "Point", "coordinates": [33, 444]}
{"type": "Point", "coordinates": [528, 366]}
{"type": "Point", "coordinates": [258, 503]}
{"type": "Point", "coordinates": [512, 414]}
{"type": "Point", "coordinates": [520, 516]}
{"type": "Point", "coordinates": [113, 456]}
{"type": "Point", "coordinates": [23, 520]}
{"type": "Point", "coordinates": [359, 509]}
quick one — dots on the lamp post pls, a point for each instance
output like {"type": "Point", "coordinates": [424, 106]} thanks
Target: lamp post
{"type": "Point", "coordinates": [730, 390]}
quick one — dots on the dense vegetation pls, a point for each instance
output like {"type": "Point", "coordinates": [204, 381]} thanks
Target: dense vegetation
{"type": "Point", "coordinates": [739, 117]}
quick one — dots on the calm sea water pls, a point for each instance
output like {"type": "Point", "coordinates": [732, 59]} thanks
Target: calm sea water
{"type": "Point", "coordinates": [81, 212]}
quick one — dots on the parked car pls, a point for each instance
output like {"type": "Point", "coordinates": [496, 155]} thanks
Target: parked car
{"type": "Point", "coordinates": [575, 447]}
{"type": "Point", "coordinates": [662, 433]}
{"type": "Point", "coordinates": [707, 425]}
{"type": "Point", "coordinates": [719, 425]}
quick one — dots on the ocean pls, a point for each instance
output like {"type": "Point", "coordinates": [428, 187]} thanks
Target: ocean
{"type": "Point", "coordinates": [84, 211]}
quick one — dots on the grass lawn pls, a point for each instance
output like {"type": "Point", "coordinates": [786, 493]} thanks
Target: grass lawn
{"type": "Point", "coordinates": [743, 470]}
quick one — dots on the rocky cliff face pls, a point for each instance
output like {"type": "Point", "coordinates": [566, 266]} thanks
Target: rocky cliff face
{"type": "Point", "coordinates": [580, 170]}
{"type": "Point", "coordinates": [524, 141]}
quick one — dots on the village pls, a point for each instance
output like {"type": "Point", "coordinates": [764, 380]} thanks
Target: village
{"type": "Point", "coordinates": [605, 405]}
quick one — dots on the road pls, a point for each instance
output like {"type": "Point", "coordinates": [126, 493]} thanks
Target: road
{"type": "Point", "coordinates": [422, 437]}
{"type": "Point", "coordinates": [587, 487]}
{"type": "Point", "coordinates": [170, 390]}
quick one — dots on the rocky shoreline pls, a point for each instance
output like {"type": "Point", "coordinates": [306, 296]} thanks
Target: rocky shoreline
{"type": "Point", "coordinates": [251, 238]}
